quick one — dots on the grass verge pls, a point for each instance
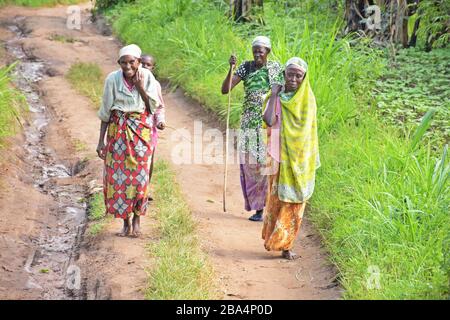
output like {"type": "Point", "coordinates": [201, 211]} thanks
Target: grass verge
{"type": "Point", "coordinates": [181, 270]}
{"type": "Point", "coordinates": [12, 104]}
{"type": "Point", "coordinates": [87, 79]}
{"type": "Point", "coordinates": [61, 38]}
{"type": "Point", "coordinates": [96, 214]}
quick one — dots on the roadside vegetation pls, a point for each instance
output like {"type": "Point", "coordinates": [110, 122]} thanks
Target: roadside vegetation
{"type": "Point", "coordinates": [87, 79]}
{"type": "Point", "coordinates": [12, 105]}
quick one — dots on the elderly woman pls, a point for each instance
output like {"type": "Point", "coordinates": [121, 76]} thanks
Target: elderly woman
{"type": "Point", "coordinates": [129, 97]}
{"type": "Point", "coordinates": [259, 76]}
{"type": "Point", "coordinates": [294, 155]}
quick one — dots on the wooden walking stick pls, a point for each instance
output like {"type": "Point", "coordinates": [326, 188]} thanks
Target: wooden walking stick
{"type": "Point", "coordinates": [226, 142]}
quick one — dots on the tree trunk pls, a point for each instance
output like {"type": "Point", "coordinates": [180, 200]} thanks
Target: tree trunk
{"type": "Point", "coordinates": [413, 39]}
{"type": "Point", "coordinates": [384, 20]}
{"type": "Point", "coordinates": [241, 9]}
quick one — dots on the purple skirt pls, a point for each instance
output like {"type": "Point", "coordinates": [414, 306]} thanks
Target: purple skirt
{"type": "Point", "coordinates": [254, 186]}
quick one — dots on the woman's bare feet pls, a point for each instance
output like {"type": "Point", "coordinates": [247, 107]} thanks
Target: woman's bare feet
{"type": "Point", "coordinates": [126, 230]}
{"type": "Point", "coordinates": [288, 254]}
{"type": "Point", "coordinates": [136, 226]}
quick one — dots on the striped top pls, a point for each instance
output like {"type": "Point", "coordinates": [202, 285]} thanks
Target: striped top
{"type": "Point", "coordinates": [116, 95]}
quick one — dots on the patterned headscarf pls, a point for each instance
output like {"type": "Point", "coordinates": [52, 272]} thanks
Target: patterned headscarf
{"type": "Point", "coordinates": [262, 41]}
{"type": "Point", "coordinates": [298, 62]}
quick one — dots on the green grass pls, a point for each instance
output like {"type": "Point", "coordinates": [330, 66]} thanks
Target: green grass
{"type": "Point", "coordinates": [96, 214]}
{"type": "Point", "coordinates": [379, 204]}
{"type": "Point", "coordinates": [62, 38]}
{"type": "Point", "coordinates": [181, 270]}
{"type": "Point", "coordinates": [87, 79]}
{"type": "Point", "coordinates": [79, 145]}
{"type": "Point", "coordinates": [38, 3]}
{"type": "Point", "coordinates": [12, 104]}
{"type": "Point", "coordinates": [416, 82]}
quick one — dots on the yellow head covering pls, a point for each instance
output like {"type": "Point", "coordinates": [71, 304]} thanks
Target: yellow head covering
{"type": "Point", "coordinates": [299, 145]}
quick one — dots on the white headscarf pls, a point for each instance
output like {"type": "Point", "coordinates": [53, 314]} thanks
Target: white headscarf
{"type": "Point", "coordinates": [262, 41]}
{"type": "Point", "coordinates": [130, 50]}
{"type": "Point", "coordinates": [298, 62]}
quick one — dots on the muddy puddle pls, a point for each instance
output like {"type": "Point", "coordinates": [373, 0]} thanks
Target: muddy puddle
{"type": "Point", "coordinates": [52, 265]}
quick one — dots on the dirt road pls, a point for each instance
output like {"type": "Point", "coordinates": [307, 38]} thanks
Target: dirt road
{"type": "Point", "coordinates": [45, 178]}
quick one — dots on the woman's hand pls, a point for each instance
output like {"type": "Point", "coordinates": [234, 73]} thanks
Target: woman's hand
{"type": "Point", "coordinates": [161, 125]}
{"type": "Point", "coordinates": [235, 79]}
{"type": "Point", "coordinates": [276, 89]}
{"type": "Point", "coordinates": [101, 152]}
{"type": "Point", "coordinates": [232, 61]}
{"type": "Point", "coordinates": [138, 80]}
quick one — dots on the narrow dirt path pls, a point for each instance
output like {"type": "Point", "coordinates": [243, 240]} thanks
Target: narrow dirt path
{"type": "Point", "coordinates": [113, 267]}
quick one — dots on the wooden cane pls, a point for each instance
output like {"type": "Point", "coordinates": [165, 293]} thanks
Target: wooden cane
{"type": "Point", "coordinates": [225, 174]}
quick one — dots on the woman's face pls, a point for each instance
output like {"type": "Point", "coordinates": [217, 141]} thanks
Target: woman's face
{"type": "Point", "coordinates": [293, 78]}
{"type": "Point", "coordinates": [260, 55]}
{"type": "Point", "coordinates": [129, 65]}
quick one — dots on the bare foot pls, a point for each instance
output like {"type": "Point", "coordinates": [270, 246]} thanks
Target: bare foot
{"type": "Point", "coordinates": [126, 230]}
{"type": "Point", "coordinates": [288, 254]}
{"type": "Point", "coordinates": [136, 227]}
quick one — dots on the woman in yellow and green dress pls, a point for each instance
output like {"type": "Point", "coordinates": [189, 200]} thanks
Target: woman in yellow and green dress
{"type": "Point", "coordinates": [258, 76]}
{"type": "Point", "coordinates": [293, 154]}
{"type": "Point", "coordinates": [129, 98]}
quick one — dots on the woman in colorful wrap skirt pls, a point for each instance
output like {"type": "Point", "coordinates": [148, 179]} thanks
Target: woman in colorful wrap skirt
{"type": "Point", "coordinates": [129, 98]}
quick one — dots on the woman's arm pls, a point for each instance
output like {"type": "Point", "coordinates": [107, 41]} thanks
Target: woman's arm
{"type": "Point", "coordinates": [101, 140]}
{"type": "Point", "coordinates": [138, 80]}
{"type": "Point", "coordinates": [160, 112]}
{"type": "Point", "coordinates": [269, 113]}
{"type": "Point", "coordinates": [235, 79]}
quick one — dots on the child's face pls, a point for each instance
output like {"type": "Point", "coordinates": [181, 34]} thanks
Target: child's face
{"type": "Point", "coordinates": [148, 63]}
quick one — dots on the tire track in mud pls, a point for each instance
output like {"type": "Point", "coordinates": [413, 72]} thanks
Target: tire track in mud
{"type": "Point", "coordinates": [52, 265]}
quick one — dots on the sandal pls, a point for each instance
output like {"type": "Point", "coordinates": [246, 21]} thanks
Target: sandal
{"type": "Point", "coordinates": [256, 217]}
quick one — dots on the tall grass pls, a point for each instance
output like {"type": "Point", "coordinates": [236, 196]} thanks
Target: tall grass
{"type": "Point", "coordinates": [381, 200]}
{"type": "Point", "coordinates": [11, 105]}
{"type": "Point", "coordinates": [380, 205]}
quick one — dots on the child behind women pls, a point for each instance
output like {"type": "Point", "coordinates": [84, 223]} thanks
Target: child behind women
{"type": "Point", "coordinates": [157, 120]}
